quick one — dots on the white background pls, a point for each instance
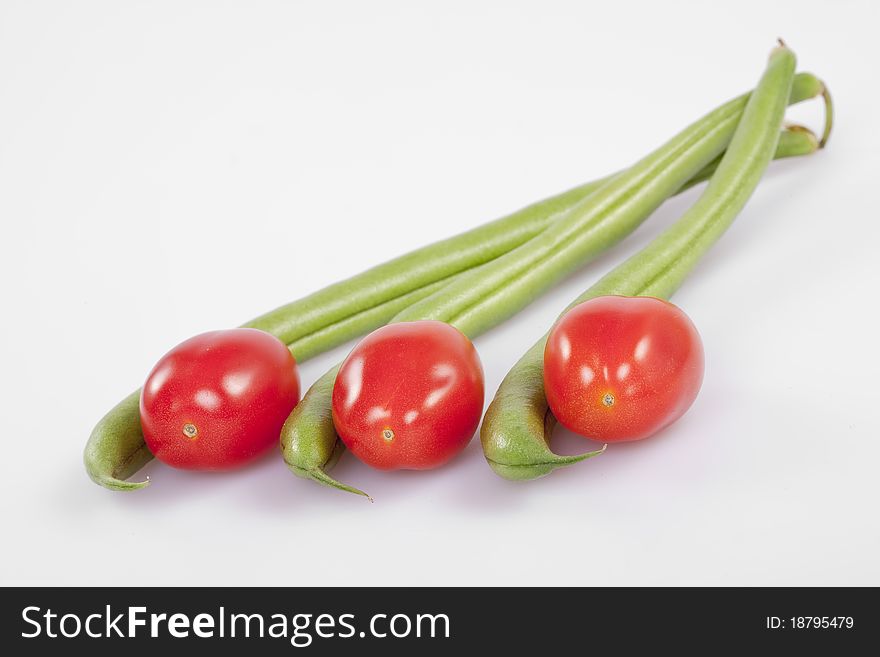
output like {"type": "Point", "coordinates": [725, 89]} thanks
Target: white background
{"type": "Point", "coordinates": [172, 167]}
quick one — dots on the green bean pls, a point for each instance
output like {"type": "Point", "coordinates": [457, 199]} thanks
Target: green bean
{"type": "Point", "coordinates": [792, 143]}
{"type": "Point", "coordinates": [484, 296]}
{"type": "Point", "coordinates": [414, 270]}
{"type": "Point", "coordinates": [442, 259]}
{"type": "Point", "coordinates": [363, 322]}
{"type": "Point", "coordinates": [517, 427]}
{"type": "Point", "coordinates": [116, 449]}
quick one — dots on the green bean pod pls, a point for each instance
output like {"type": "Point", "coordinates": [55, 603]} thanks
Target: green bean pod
{"type": "Point", "coordinates": [316, 323]}
{"type": "Point", "coordinates": [484, 296]}
{"type": "Point", "coordinates": [448, 257]}
{"type": "Point", "coordinates": [319, 341]}
{"type": "Point", "coordinates": [516, 429]}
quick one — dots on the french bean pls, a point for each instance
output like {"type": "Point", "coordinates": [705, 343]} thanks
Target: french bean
{"type": "Point", "coordinates": [442, 259]}
{"type": "Point", "coordinates": [518, 424]}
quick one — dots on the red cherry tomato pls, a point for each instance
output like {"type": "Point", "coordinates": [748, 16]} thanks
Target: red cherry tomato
{"type": "Point", "coordinates": [622, 368]}
{"type": "Point", "coordinates": [410, 395]}
{"type": "Point", "coordinates": [218, 400]}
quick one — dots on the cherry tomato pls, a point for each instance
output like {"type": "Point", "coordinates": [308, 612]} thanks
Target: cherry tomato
{"type": "Point", "coordinates": [218, 400]}
{"type": "Point", "coordinates": [409, 396]}
{"type": "Point", "coordinates": [622, 368]}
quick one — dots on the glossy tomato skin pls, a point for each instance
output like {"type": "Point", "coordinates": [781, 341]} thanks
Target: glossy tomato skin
{"type": "Point", "coordinates": [219, 399]}
{"type": "Point", "coordinates": [409, 396]}
{"type": "Point", "coordinates": [622, 368]}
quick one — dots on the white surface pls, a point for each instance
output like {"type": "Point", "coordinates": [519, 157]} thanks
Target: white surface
{"type": "Point", "coordinates": [172, 167]}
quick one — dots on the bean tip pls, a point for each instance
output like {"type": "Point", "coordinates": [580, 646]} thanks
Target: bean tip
{"type": "Point", "coordinates": [780, 47]}
{"type": "Point", "coordinates": [804, 130]}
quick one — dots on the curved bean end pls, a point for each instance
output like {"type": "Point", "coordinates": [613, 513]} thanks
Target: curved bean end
{"type": "Point", "coordinates": [116, 449]}
{"type": "Point", "coordinates": [112, 483]}
{"type": "Point", "coordinates": [311, 448]}
{"type": "Point", "coordinates": [829, 116]}
{"type": "Point", "coordinates": [318, 475]}
{"type": "Point", "coordinates": [518, 425]}
{"type": "Point", "coordinates": [528, 471]}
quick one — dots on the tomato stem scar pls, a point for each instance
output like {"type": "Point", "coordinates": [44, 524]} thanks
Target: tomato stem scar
{"type": "Point", "coordinates": [608, 399]}
{"type": "Point", "coordinates": [190, 430]}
